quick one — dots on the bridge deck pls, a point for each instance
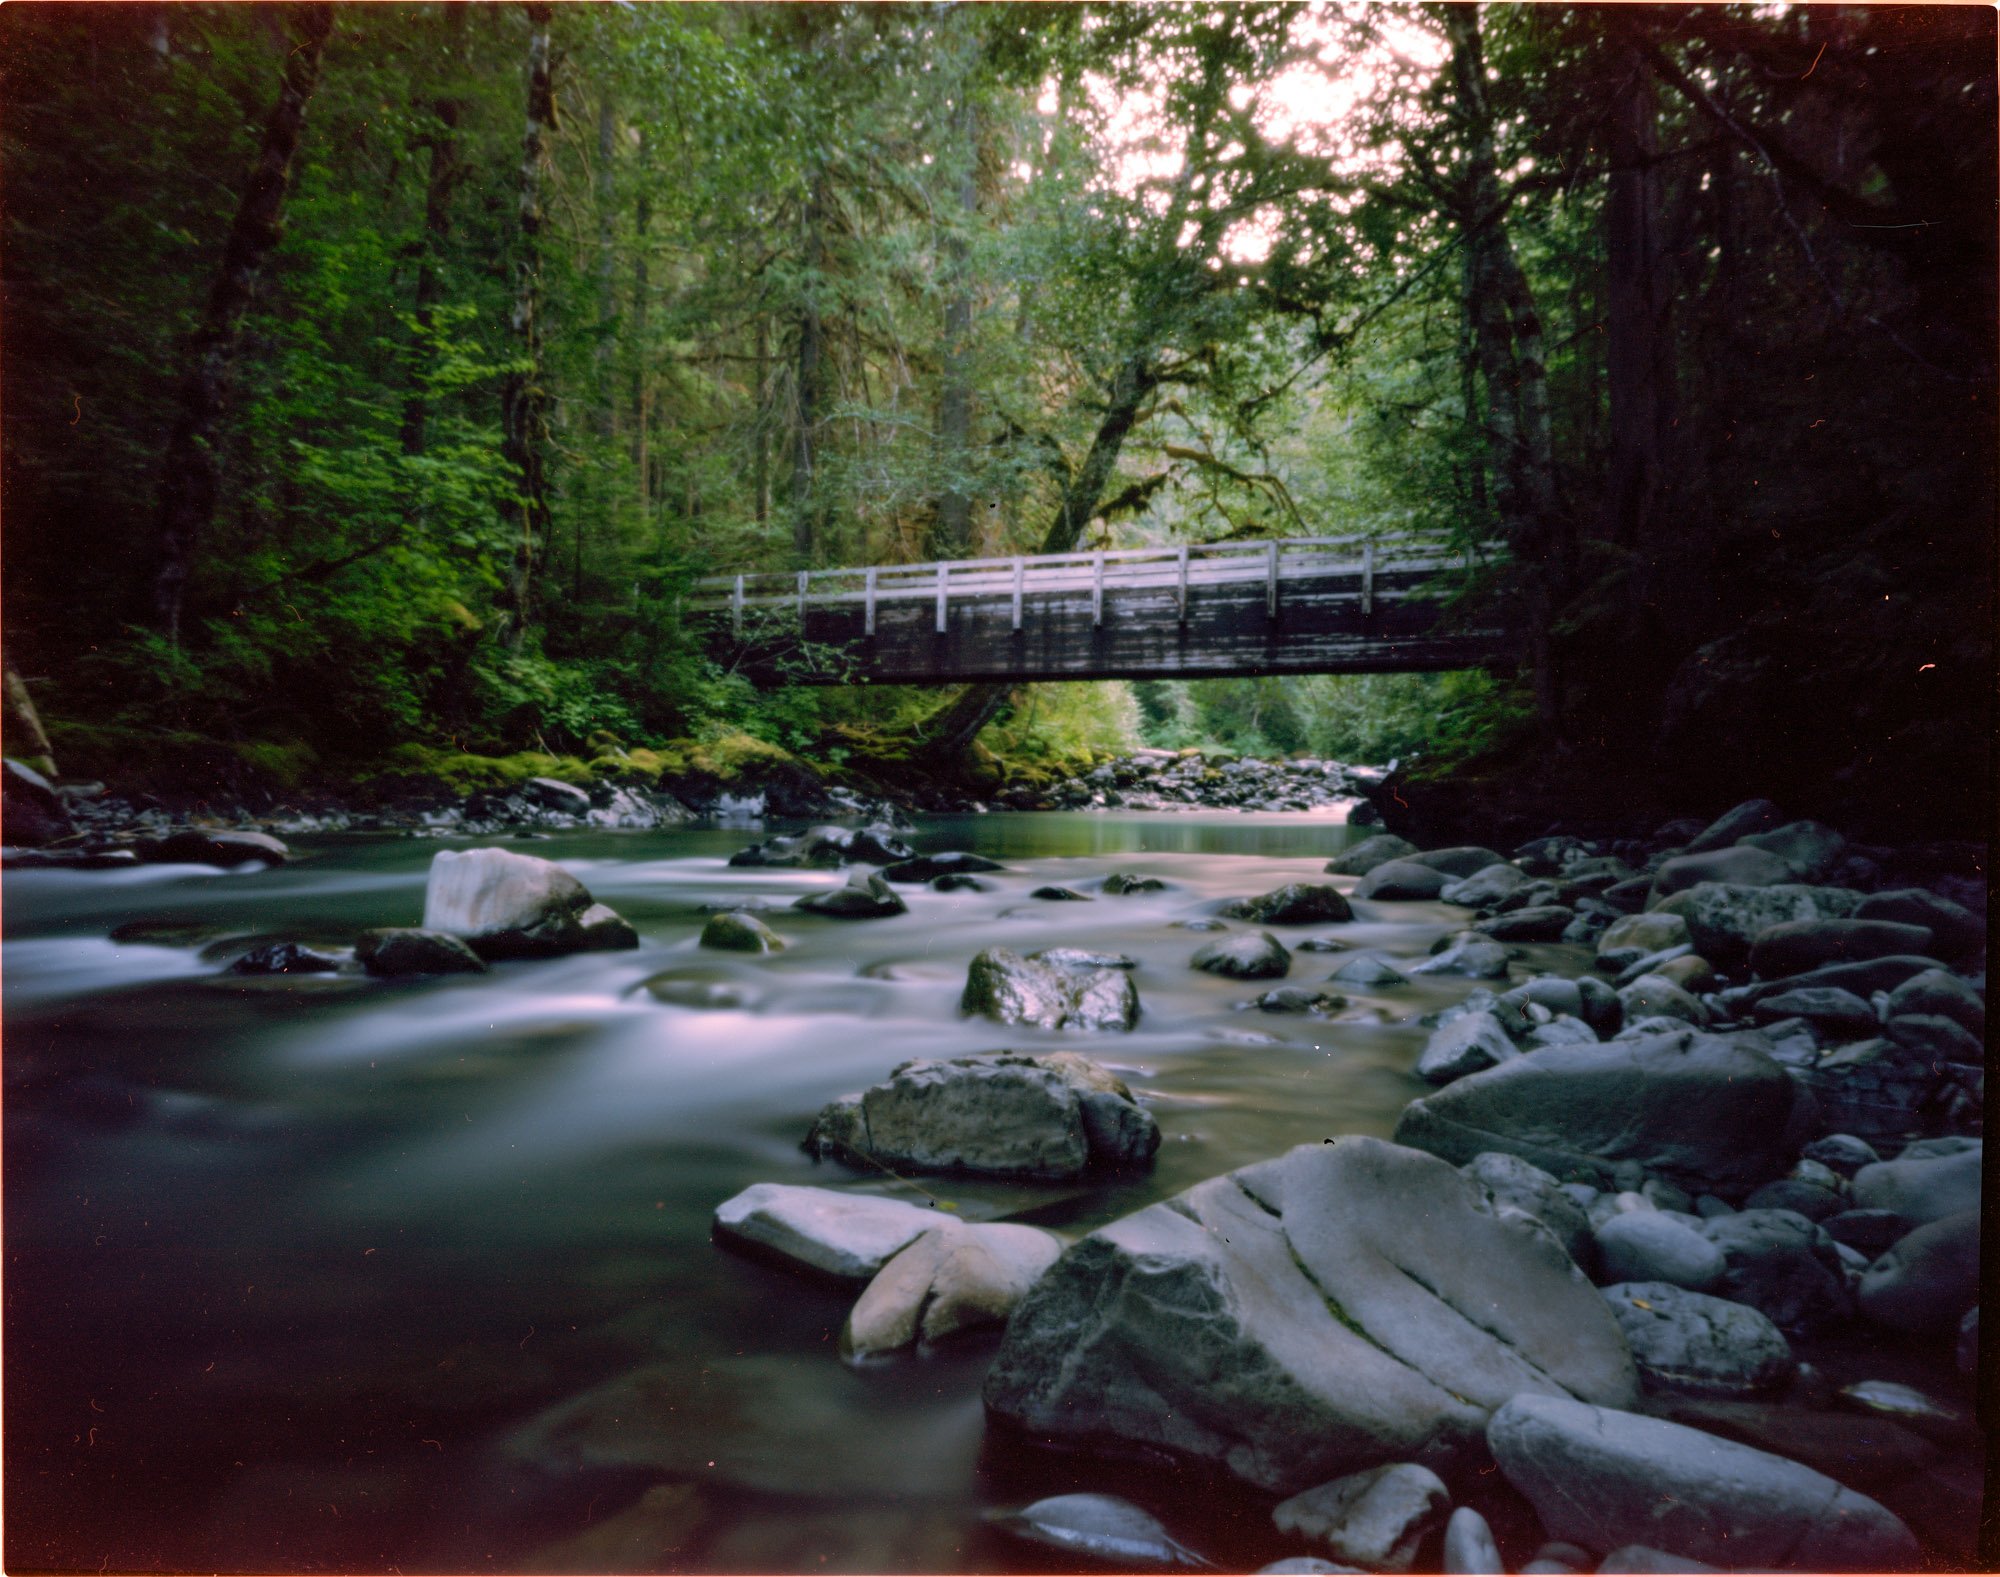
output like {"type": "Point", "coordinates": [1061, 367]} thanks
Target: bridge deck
{"type": "Point", "coordinates": [1300, 605]}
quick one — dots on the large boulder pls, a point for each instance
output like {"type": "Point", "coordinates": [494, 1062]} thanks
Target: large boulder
{"type": "Point", "coordinates": [1464, 1045]}
{"type": "Point", "coordinates": [1512, 1182]}
{"type": "Point", "coordinates": [1003, 1114]}
{"type": "Point", "coordinates": [1723, 918]}
{"type": "Point", "coordinates": [1604, 1478]}
{"type": "Point", "coordinates": [1466, 859]}
{"type": "Point", "coordinates": [1695, 1345]}
{"type": "Point", "coordinates": [1713, 1112]}
{"type": "Point", "coordinates": [846, 1236]}
{"type": "Point", "coordinates": [1296, 903]}
{"type": "Point", "coordinates": [1301, 1318]}
{"type": "Point", "coordinates": [1736, 867]}
{"type": "Point", "coordinates": [1928, 1280]}
{"type": "Point", "coordinates": [201, 846]}
{"type": "Point", "coordinates": [1864, 977]}
{"type": "Point", "coordinates": [1940, 994]}
{"type": "Point", "coordinates": [957, 1276]}
{"type": "Point", "coordinates": [1534, 923]}
{"type": "Point", "coordinates": [1009, 989]}
{"type": "Point", "coordinates": [1794, 946]}
{"type": "Point", "coordinates": [1752, 816]}
{"type": "Point", "coordinates": [32, 814]}
{"type": "Point", "coordinates": [507, 905]}
{"type": "Point", "coordinates": [1782, 1265]}
{"type": "Point", "coordinates": [1632, 937]}
{"type": "Point", "coordinates": [1960, 934]}
{"type": "Point", "coordinates": [1471, 955]}
{"type": "Point", "coordinates": [1402, 881]}
{"type": "Point", "coordinates": [1485, 887]}
{"type": "Point", "coordinates": [1370, 852]}
{"type": "Point", "coordinates": [1811, 848]}
{"type": "Point", "coordinates": [737, 931]}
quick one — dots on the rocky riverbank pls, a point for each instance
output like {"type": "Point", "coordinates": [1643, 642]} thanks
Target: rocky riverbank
{"type": "Point", "coordinates": [1568, 1318]}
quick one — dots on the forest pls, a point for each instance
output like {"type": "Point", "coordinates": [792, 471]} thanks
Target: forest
{"type": "Point", "coordinates": [378, 379]}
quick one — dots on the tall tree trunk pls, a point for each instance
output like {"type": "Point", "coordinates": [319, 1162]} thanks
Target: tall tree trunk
{"type": "Point", "coordinates": [951, 536]}
{"type": "Point", "coordinates": [760, 427]}
{"type": "Point", "coordinates": [524, 412]}
{"type": "Point", "coordinates": [811, 349]}
{"type": "Point", "coordinates": [1639, 368]}
{"type": "Point", "coordinates": [950, 731]}
{"type": "Point", "coordinates": [642, 408]}
{"type": "Point", "coordinates": [1507, 339]}
{"type": "Point", "coordinates": [191, 473]}
{"type": "Point", "coordinates": [439, 185]}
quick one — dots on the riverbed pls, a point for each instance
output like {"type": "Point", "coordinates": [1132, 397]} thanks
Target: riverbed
{"type": "Point", "coordinates": [328, 1272]}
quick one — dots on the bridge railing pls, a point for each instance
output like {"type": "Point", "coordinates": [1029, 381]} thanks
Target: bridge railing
{"type": "Point", "coordinates": [1185, 565]}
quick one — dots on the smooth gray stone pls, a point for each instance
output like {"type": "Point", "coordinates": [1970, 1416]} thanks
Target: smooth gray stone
{"type": "Point", "coordinates": [851, 1236]}
{"type": "Point", "coordinates": [1724, 917]}
{"type": "Point", "coordinates": [1655, 996]}
{"type": "Point", "coordinates": [1641, 1560]}
{"type": "Point", "coordinates": [1375, 1518]}
{"type": "Point", "coordinates": [1604, 1479]}
{"type": "Point", "coordinates": [1923, 1188]}
{"type": "Point", "coordinates": [1304, 1564]}
{"type": "Point", "coordinates": [959, 1275]}
{"type": "Point", "coordinates": [1466, 1044]}
{"type": "Point", "coordinates": [1299, 1319]}
{"type": "Point", "coordinates": [1370, 852]}
{"type": "Point", "coordinates": [1643, 934]}
{"type": "Point", "coordinates": [1562, 1031]}
{"type": "Point", "coordinates": [928, 867]}
{"type": "Point", "coordinates": [736, 932]}
{"type": "Point", "coordinates": [1081, 958]}
{"type": "Point", "coordinates": [1485, 886]}
{"type": "Point", "coordinates": [400, 951]}
{"type": "Point", "coordinates": [1245, 957]}
{"type": "Point", "coordinates": [1833, 1013]}
{"type": "Point", "coordinates": [1935, 1038]}
{"type": "Point", "coordinates": [1469, 1547]}
{"type": "Point", "coordinates": [1863, 977]}
{"type": "Point", "coordinates": [1783, 1265]}
{"type": "Point", "coordinates": [1939, 993]}
{"type": "Point", "coordinates": [1842, 1152]}
{"type": "Point", "coordinates": [1460, 861]}
{"type": "Point", "coordinates": [1103, 1528]}
{"type": "Point", "coordinates": [1651, 1246]}
{"type": "Point", "coordinates": [1713, 1113]}
{"type": "Point", "coordinates": [1960, 933]}
{"type": "Point", "coordinates": [1802, 1198]}
{"type": "Point", "coordinates": [1689, 1343]}
{"type": "Point", "coordinates": [865, 897]}
{"type": "Point", "coordinates": [1811, 848]}
{"type": "Point", "coordinates": [506, 905]}
{"type": "Point", "coordinates": [1539, 923]}
{"type": "Point", "coordinates": [1926, 1282]}
{"type": "Point", "coordinates": [1480, 960]}
{"type": "Point", "coordinates": [1752, 816]}
{"type": "Point", "coordinates": [1736, 866]}
{"type": "Point", "coordinates": [1402, 880]}
{"type": "Point", "coordinates": [1512, 1181]}
{"type": "Point", "coordinates": [200, 846]}
{"type": "Point", "coordinates": [1913, 1409]}
{"type": "Point", "coordinates": [1869, 1232]}
{"type": "Point", "coordinates": [1368, 971]}
{"type": "Point", "coordinates": [1792, 947]}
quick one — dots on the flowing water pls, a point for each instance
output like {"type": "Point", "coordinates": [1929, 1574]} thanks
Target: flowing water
{"type": "Point", "coordinates": [327, 1272]}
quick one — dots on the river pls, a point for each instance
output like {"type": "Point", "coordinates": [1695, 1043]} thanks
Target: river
{"type": "Point", "coordinates": [327, 1272]}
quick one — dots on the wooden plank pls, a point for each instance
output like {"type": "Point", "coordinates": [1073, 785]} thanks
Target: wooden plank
{"type": "Point", "coordinates": [943, 594]}
{"type": "Point", "coordinates": [1020, 585]}
{"type": "Point", "coordinates": [868, 592]}
{"type": "Point", "coordinates": [1180, 596]}
{"type": "Point", "coordinates": [1271, 580]}
{"type": "Point", "coordinates": [1096, 590]}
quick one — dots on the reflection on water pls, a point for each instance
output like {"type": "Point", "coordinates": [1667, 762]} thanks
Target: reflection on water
{"type": "Point", "coordinates": [337, 1272]}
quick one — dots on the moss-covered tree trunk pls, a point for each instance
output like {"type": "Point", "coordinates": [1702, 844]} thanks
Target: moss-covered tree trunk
{"type": "Point", "coordinates": [191, 476]}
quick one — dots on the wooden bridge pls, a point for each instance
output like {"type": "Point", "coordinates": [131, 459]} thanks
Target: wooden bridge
{"type": "Point", "coordinates": [1300, 605]}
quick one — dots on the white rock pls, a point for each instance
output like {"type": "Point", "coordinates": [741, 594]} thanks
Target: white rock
{"type": "Point", "coordinates": [851, 1236]}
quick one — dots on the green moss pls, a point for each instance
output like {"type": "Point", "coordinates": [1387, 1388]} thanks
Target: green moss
{"type": "Point", "coordinates": [288, 766]}
{"type": "Point", "coordinates": [724, 756]}
{"type": "Point", "coordinates": [461, 773]}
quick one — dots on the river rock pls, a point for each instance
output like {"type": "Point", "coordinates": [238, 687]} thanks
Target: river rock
{"type": "Point", "coordinates": [1922, 1188]}
{"type": "Point", "coordinates": [199, 846]}
{"type": "Point", "coordinates": [1536, 923]}
{"type": "Point", "coordinates": [1913, 1409]}
{"type": "Point", "coordinates": [1010, 989]}
{"type": "Point", "coordinates": [1689, 1343]}
{"type": "Point", "coordinates": [737, 932]}
{"type": "Point", "coordinates": [1931, 1037]}
{"type": "Point", "coordinates": [1752, 816]}
{"type": "Point", "coordinates": [1296, 903]}
{"type": "Point", "coordinates": [865, 897]}
{"type": "Point", "coordinates": [399, 951]}
{"type": "Point", "coordinates": [1082, 958]}
{"type": "Point", "coordinates": [1652, 1246]}
{"type": "Point", "coordinates": [1464, 1045]}
{"type": "Point", "coordinates": [1812, 849]}
{"type": "Point", "coordinates": [1003, 1114]}
{"type": "Point", "coordinates": [601, 929]}
{"type": "Point", "coordinates": [1636, 936]}
{"type": "Point", "coordinates": [827, 846]}
{"type": "Point", "coordinates": [31, 811]}
{"type": "Point", "coordinates": [957, 1276]}
{"type": "Point", "coordinates": [1486, 886]}
{"type": "Point", "coordinates": [1841, 1153]}
{"type": "Point", "coordinates": [1960, 933]}
{"type": "Point", "coordinates": [1783, 1265]}
{"type": "Point", "coordinates": [1870, 1233]}
{"type": "Point", "coordinates": [1472, 956]}
{"type": "Point", "coordinates": [1370, 852]}
{"type": "Point", "coordinates": [1712, 1112]}
{"type": "Point", "coordinates": [1053, 894]}
{"type": "Point", "coordinates": [1461, 861]}
{"type": "Point", "coordinates": [1864, 977]}
{"type": "Point", "coordinates": [1299, 999]}
{"type": "Point", "coordinates": [1939, 993]}
{"type": "Point", "coordinates": [507, 905]}
{"type": "Point", "coordinates": [1654, 996]}
{"type": "Point", "coordinates": [1607, 1478]}
{"type": "Point", "coordinates": [950, 883]}
{"type": "Point", "coordinates": [1402, 881]}
{"type": "Point", "coordinates": [1102, 1528]}
{"type": "Point", "coordinates": [1120, 884]}
{"type": "Point", "coordinates": [1836, 1014]}
{"type": "Point", "coordinates": [1367, 971]}
{"type": "Point", "coordinates": [1803, 1198]}
{"type": "Point", "coordinates": [1735, 867]}
{"type": "Point", "coordinates": [285, 958]}
{"type": "Point", "coordinates": [1375, 1518]}
{"type": "Point", "coordinates": [1298, 1319]}
{"type": "Point", "coordinates": [1723, 918]}
{"type": "Point", "coordinates": [1305, 1566]}
{"type": "Point", "coordinates": [1795, 946]}
{"type": "Point", "coordinates": [929, 867]}
{"type": "Point", "coordinates": [1245, 957]}
{"type": "Point", "coordinates": [1511, 1181]}
{"type": "Point", "coordinates": [1928, 1280]}
{"type": "Point", "coordinates": [1469, 1546]}
{"type": "Point", "coordinates": [849, 1236]}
